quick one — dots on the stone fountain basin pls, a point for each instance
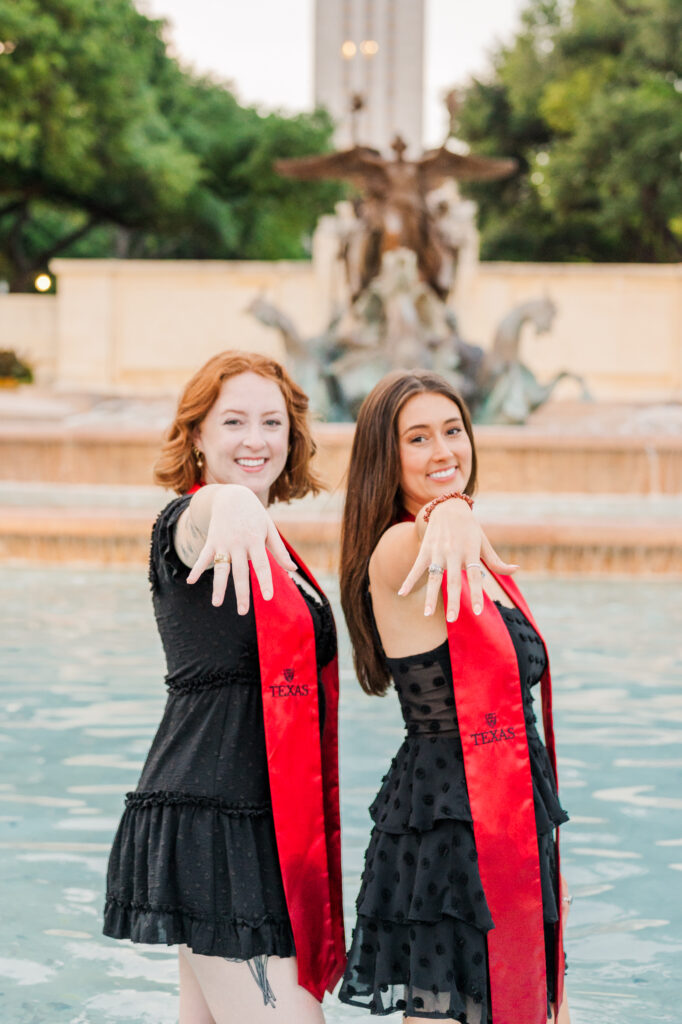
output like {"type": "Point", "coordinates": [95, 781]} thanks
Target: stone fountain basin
{"type": "Point", "coordinates": [561, 533]}
{"type": "Point", "coordinates": [583, 488]}
{"type": "Point", "coordinates": [512, 459]}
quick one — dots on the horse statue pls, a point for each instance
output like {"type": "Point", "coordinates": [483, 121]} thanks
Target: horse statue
{"type": "Point", "coordinates": [505, 389]}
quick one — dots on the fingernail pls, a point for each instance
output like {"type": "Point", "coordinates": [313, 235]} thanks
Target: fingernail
{"type": "Point", "coordinates": [428, 610]}
{"type": "Point", "coordinates": [451, 616]}
{"type": "Point", "coordinates": [477, 609]}
{"type": "Point", "coordinates": [401, 592]}
{"type": "Point", "coordinates": [267, 594]}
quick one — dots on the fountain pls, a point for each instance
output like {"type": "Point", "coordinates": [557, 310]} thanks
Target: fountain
{"type": "Point", "coordinates": [401, 245]}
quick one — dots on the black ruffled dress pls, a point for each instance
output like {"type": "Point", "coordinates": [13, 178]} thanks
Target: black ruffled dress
{"type": "Point", "coordinates": [419, 944]}
{"type": "Point", "coordinates": [195, 859]}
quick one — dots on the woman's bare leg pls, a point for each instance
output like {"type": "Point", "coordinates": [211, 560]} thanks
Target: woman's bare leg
{"type": "Point", "coordinates": [193, 1007]}
{"type": "Point", "coordinates": [564, 1016]}
{"type": "Point", "coordinates": [473, 1012]}
{"type": "Point", "coordinates": [234, 995]}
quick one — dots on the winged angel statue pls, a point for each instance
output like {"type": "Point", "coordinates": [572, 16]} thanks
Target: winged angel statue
{"type": "Point", "coordinates": [394, 211]}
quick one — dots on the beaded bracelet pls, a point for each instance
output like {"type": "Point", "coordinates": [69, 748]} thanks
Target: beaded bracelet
{"type": "Point", "coordinates": [428, 509]}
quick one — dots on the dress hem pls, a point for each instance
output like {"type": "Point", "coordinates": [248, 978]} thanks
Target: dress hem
{"type": "Point", "coordinates": [237, 938]}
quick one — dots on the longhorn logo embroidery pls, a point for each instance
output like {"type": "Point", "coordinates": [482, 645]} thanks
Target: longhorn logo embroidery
{"type": "Point", "coordinates": [491, 718]}
{"type": "Point", "coordinates": [288, 674]}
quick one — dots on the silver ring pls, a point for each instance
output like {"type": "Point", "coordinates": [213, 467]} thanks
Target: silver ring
{"type": "Point", "coordinates": [566, 899]}
{"type": "Point", "coordinates": [435, 569]}
{"type": "Point", "coordinates": [476, 565]}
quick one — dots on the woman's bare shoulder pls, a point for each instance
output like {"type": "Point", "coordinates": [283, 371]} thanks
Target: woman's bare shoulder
{"type": "Point", "coordinates": [394, 555]}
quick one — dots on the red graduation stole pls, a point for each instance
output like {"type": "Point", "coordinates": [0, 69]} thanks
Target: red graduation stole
{"type": "Point", "coordinates": [304, 775]}
{"type": "Point", "coordinates": [492, 725]}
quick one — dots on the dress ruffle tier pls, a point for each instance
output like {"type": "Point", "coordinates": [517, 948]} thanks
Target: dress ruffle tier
{"type": "Point", "coordinates": [193, 869]}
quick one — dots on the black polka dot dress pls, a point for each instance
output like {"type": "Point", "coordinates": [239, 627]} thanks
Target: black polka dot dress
{"type": "Point", "coordinates": [419, 945]}
{"type": "Point", "coordinates": [195, 859]}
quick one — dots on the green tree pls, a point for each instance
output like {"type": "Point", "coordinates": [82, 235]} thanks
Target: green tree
{"type": "Point", "coordinates": [107, 147]}
{"type": "Point", "coordinates": [588, 97]}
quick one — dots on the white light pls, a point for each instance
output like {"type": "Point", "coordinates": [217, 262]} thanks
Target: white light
{"type": "Point", "coordinates": [43, 282]}
{"type": "Point", "coordinates": [368, 47]}
{"type": "Point", "coordinates": [348, 49]}
{"type": "Point", "coordinates": [542, 159]}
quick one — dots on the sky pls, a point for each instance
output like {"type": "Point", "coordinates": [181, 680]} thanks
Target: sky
{"type": "Point", "coordinates": [264, 47]}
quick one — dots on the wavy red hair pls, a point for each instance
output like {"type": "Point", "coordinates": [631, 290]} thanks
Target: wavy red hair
{"type": "Point", "coordinates": [176, 468]}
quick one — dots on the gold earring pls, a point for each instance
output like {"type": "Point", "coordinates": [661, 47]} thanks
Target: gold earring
{"type": "Point", "coordinates": [199, 456]}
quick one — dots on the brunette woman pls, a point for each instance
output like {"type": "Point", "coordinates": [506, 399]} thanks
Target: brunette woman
{"type": "Point", "coordinates": [459, 906]}
{"type": "Point", "coordinates": [229, 847]}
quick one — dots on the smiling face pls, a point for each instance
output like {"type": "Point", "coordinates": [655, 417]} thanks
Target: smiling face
{"type": "Point", "coordinates": [435, 450]}
{"type": "Point", "coordinates": [245, 435]}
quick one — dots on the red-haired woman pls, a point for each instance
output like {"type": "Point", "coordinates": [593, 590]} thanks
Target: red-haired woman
{"type": "Point", "coordinates": [459, 906]}
{"type": "Point", "coordinates": [229, 847]}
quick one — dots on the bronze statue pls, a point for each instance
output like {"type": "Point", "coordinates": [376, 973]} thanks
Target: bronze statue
{"type": "Point", "coordinates": [401, 249]}
{"type": "Point", "coordinates": [393, 211]}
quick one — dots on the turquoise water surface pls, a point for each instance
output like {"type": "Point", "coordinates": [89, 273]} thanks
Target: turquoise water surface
{"type": "Point", "coordinates": [81, 674]}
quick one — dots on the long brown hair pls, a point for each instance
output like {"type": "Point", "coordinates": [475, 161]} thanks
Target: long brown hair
{"type": "Point", "coordinates": [373, 503]}
{"type": "Point", "coordinates": [177, 468]}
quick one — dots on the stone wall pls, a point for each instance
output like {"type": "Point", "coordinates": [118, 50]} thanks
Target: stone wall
{"type": "Point", "coordinates": [144, 326]}
{"type": "Point", "coordinates": [28, 325]}
{"type": "Point", "coordinates": [619, 325]}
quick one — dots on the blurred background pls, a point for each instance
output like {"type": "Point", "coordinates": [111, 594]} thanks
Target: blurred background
{"type": "Point", "coordinates": [492, 190]}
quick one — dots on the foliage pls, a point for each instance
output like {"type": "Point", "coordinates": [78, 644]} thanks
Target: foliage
{"type": "Point", "coordinates": [109, 148]}
{"type": "Point", "coordinates": [588, 98]}
{"type": "Point", "coordinates": [12, 368]}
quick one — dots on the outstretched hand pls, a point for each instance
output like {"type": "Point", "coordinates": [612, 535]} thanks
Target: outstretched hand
{"type": "Point", "coordinates": [454, 540]}
{"type": "Point", "coordinates": [241, 529]}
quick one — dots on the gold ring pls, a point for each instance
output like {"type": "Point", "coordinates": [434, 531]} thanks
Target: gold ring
{"type": "Point", "coordinates": [221, 559]}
